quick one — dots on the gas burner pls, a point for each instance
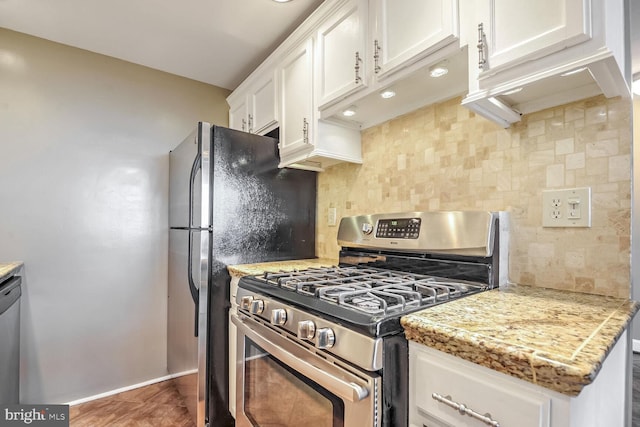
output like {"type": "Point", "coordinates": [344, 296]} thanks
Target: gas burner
{"type": "Point", "coordinates": [371, 290]}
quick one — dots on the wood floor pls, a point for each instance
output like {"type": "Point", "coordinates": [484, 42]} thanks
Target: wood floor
{"type": "Point", "coordinates": [156, 405]}
{"type": "Point", "coordinates": [161, 405]}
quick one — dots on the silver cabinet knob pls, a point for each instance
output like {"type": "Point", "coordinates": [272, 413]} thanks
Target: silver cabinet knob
{"type": "Point", "coordinates": [325, 338]}
{"type": "Point", "coordinates": [306, 330]}
{"type": "Point", "coordinates": [278, 316]}
{"type": "Point", "coordinates": [367, 228]}
{"type": "Point", "coordinates": [245, 302]}
{"type": "Point", "coordinates": [257, 306]}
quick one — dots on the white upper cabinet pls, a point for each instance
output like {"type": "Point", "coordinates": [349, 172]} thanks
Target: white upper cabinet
{"type": "Point", "coordinates": [342, 61]}
{"type": "Point", "coordinates": [295, 75]}
{"type": "Point", "coordinates": [255, 109]}
{"type": "Point", "coordinates": [403, 39]}
{"type": "Point", "coordinates": [516, 31]}
{"type": "Point", "coordinates": [305, 141]}
{"type": "Point", "coordinates": [407, 30]}
{"type": "Point", "coordinates": [528, 56]}
{"type": "Point", "coordinates": [239, 114]}
{"type": "Point", "coordinates": [262, 106]}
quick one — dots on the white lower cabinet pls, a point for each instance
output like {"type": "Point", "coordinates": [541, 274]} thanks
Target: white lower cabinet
{"type": "Point", "coordinates": [446, 391]}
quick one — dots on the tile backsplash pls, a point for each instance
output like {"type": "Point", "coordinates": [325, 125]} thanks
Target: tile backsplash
{"type": "Point", "coordinates": [444, 157]}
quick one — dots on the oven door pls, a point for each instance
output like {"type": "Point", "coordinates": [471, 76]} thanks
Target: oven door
{"type": "Point", "coordinates": [282, 383]}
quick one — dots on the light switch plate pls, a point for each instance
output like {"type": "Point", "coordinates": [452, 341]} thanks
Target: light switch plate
{"type": "Point", "coordinates": [331, 217]}
{"type": "Point", "coordinates": [569, 207]}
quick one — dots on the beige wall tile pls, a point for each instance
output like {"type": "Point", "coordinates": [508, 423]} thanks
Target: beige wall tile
{"type": "Point", "coordinates": [444, 157]}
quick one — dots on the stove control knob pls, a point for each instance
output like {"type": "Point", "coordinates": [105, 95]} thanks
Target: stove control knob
{"type": "Point", "coordinates": [278, 316]}
{"type": "Point", "coordinates": [257, 306]}
{"type": "Point", "coordinates": [306, 330]}
{"type": "Point", "coordinates": [367, 228]}
{"type": "Point", "coordinates": [245, 302]}
{"type": "Point", "coordinates": [325, 338]}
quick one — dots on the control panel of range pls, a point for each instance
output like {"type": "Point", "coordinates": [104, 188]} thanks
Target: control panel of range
{"type": "Point", "coordinates": [405, 228]}
{"type": "Point", "coordinates": [313, 330]}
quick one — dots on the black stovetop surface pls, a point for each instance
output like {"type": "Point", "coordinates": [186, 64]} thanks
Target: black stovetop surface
{"type": "Point", "coordinates": [367, 294]}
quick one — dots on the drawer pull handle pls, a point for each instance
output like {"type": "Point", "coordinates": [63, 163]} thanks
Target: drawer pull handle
{"type": "Point", "coordinates": [463, 410]}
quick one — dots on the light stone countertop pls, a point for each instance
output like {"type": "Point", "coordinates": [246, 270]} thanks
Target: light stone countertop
{"type": "Point", "coordinates": [9, 269]}
{"type": "Point", "coordinates": [556, 339]}
{"type": "Point", "coordinates": [273, 267]}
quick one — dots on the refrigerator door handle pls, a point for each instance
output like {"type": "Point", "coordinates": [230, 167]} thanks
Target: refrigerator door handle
{"type": "Point", "coordinates": [195, 167]}
{"type": "Point", "coordinates": [192, 286]}
{"type": "Point", "coordinates": [197, 162]}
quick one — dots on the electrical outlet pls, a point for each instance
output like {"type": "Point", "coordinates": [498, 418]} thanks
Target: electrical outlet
{"type": "Point", "coordinates": [331, 217]}
{"type": "Point", "coordinates": [569, 207]}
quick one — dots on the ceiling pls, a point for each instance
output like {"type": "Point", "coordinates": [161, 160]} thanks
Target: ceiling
{"type": "Point", "coordinates": [213, 41]}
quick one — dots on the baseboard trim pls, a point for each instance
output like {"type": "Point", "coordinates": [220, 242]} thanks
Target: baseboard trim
{"type": "Point", "coordinates": [636, 346]}
{"type": "Point", "coordinates": [130, 387]}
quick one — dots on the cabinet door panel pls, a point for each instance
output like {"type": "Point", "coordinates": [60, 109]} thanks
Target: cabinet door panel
{"type": "Point", "coordinates": [238, 116]}
{"type": "Point", "coordinates": [410, 29]}
{"type": "Point", "coordinates": [296, 77]}
{"type": "Point", "coordinates": [338, 41]}
{"type": "Point", "coordinates": [263, 112]}
{"type": "Point", "coordinates": [481, 392]}
{"type": "Point", "coordinates": [514, 36]}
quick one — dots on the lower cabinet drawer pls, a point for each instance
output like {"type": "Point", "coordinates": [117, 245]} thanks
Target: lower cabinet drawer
{"type": "Point", "coordinates": [448, 391]}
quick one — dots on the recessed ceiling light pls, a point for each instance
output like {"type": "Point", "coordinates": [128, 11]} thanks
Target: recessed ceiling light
{"type": "Point", "coordinates": [636, 87]}
{"type": "Point", "coordinates": [387, 93]}
{"type": "Point", "coordinates": [439, 70]}
{"type": "Point", "coordinates": [572, 72]}
{"type": "Point", "coordinates": [349, 112]}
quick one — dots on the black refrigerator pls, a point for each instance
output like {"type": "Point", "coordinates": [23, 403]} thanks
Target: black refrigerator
{"type": "Point", "coordinates": [229, 203]}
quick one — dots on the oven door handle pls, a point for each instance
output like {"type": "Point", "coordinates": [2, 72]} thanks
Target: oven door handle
{"type": "Point", "coordinates": [350, 391]}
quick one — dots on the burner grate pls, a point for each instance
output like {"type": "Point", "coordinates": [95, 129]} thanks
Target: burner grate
{"type": "Point", "coordinates": [371, 290]}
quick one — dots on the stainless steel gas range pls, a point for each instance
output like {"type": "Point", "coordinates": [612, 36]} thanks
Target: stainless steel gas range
{"type": "Point", "coordinates": [324, 346]}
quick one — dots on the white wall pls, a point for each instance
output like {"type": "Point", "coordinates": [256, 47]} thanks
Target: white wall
{"type": "Point", "coordinates": [84, 142]}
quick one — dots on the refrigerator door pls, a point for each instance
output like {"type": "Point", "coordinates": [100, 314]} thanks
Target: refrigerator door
{"type": "Point", "coordinates": [189, 196]}
{"type": "Point", "coordinates": [182, 345]}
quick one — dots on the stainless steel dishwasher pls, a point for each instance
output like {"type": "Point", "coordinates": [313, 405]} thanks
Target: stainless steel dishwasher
{"type": "Point", "coordinates": [10, 291]}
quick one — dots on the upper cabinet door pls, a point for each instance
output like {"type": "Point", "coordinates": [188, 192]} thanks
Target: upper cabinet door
{"type": "Point", "coordinates": [518, 31]}
{"type": "Point", "coordinates": [238, 115]}
{"type": "Point", "coordinates": [341, 52]}
{"type": "Point", "coordinates": [263, 111]}
{"type": "Point", "coordinates": [407, 30]}
{"type": "Point", "coordinates": [296, 91]}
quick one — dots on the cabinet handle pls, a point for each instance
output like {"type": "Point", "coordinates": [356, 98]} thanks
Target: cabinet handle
{"type": "Point", "coordinates": [250, 123]}
{"type": "Point", "coordinates": [358, 61]}
{"type": "Point", "coordinates": [305, 131]}
{"type": "Point", "coordinates": [244, 125]}
{"type": "Point", "coordinates": [463, 410]}
{"type": "Point", "coordinates": [482, 48]}
{"type": "Point", "coordinates": [376, 56]}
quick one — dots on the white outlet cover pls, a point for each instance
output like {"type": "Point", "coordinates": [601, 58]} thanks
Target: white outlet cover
{"type": "Point", "coordinates": [331, 217]}
{"type": "Point", "coordinates": [558, 212]}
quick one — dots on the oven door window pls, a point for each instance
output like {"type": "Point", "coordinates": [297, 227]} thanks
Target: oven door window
{"type": "Point", "coordinates": [275, 395]}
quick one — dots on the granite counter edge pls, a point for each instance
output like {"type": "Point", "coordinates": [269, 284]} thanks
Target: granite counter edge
{"type": "Point", "coordinates": [514, 360]}
{"type": "Point", "coordinates": [8, 269]}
